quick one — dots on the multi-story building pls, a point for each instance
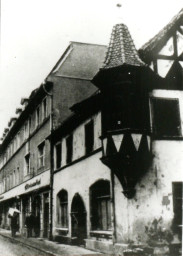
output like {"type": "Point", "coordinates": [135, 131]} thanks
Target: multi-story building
{"type": "Point", "coordinates": [25, 160]}
{"type": "Point", "coordinates": [118, 158]}
{"type": "Point", "coordinates": [101, 162]}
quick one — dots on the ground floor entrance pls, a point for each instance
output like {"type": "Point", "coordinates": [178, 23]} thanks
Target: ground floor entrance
{"type": "Point", "coordinates": [78, 220]}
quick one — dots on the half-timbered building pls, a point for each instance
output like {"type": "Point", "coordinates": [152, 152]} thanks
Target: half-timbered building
{"type": "Point", "coordinates": [118, 159]}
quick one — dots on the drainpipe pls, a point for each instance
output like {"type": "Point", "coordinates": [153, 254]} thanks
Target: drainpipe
{"type": "Point", "coordinates": [113, 207]}
{"type": "Point", "coordinates": [51, 163]}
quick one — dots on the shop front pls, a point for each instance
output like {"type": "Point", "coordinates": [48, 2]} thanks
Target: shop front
{"type": "Point", "coordinates": [31, 197]}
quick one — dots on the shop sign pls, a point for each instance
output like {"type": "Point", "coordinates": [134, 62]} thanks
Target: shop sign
{"type": "Point", "coordinates": [37, 182]}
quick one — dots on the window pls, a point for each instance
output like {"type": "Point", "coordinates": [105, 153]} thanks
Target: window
{"type": "Point", "coordinates": [100, 205]}
{"type": "Point", "coordinates": [69, 146]}
{"type": "Point", "coordinates": [17, 176]}
{"type": "Point", "coordinates": [37, 116]}
{"type": "Point", "coordinates": [63, 208]}
{"type": "Point", "coordinates": [44, 109]}
{"type": "Point", "coordinates": [166, 117]}
{"type": "Point", "coordinates": [4, 184]}
{"type": "Point", "coordinates": [18, 140]}
{"type": "Point", "coordinates": [8, 183]}
{"type": "Point", "coordinates": [11, 180]}
{"type": "Point", "coordinates": [14, 178]}
{"type": "Point", "coordinates": [27, 164]}
{"type": "Point", "coordinates": [89, 137]}
{"type": "Point", "coordinates": [41, 155]}
{"type": "Point", "coordinates": [177, 208]}
{"type": "Point", "coordinates": [26, 130]}
{"type": "Point", "coordinates": [58, 155]}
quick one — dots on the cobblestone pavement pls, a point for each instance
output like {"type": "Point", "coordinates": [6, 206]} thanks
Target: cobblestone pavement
{"type": "Point", "coordinates": [38, 246]}
{"type": "Point", "coordinates": [13, 248]}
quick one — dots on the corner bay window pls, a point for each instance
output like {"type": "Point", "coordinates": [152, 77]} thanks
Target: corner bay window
{"type": "Point", "coordinates": [41, 155]}
{"type": "Point", "coordinates": [166, 117]}
{"type": "Point", "coordinates": [69, 146]}
{"type": "Point", "coordinates": [100, 205]}
{"type": "Point", "coordinates": [89, 137]}
{"type": "Point", "coordinates": [62, 198]}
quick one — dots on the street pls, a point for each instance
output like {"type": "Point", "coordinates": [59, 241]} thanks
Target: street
{"type": "Point", "coordinates": [13, 248]}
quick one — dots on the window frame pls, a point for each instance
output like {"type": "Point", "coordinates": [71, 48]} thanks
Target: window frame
{"type": "Point", "coordinates": [44, 110]}
{"type": "Point", "coordinates": [69, 149]}
{"type": "Point", "coordinates": [37, 116]}
{"type": "Point", "coordinates": [97, 214]}
{"type": "Point", "coordinates": [89, 133]}
{"type": "Point", "coordinates": [63, 214]}
{"type": "Point", "coordinates": [56, 158]}
{"type": "Point", "coordinates": [27, 164]}
{"type": "Point", "coordinates": [41, 157]}
{"type": "Point", "coordinates": [157, 134]}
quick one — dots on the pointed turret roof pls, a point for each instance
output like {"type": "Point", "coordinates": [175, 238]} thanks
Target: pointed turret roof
{"type": "Point", "coordinates": [121, 50]}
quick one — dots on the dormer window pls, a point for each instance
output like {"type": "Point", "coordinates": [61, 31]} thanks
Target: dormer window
{"type": "Point", "coordinates": [37, 116]}
{"type": "Point", "coordinates": [44, 109]}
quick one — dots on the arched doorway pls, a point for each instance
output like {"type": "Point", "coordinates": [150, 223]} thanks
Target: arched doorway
{"type": "Point", "coordinates": [78, 220]}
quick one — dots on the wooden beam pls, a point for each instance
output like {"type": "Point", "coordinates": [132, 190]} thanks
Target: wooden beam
{"type": "Point", "coordinates": [180, 30]}
{"type": "Point", "coordinates": [155, 66]}
{"type": "Point", "coordinates": [175, 45]}
{"type": "Point", "coordinates": [164, 57]}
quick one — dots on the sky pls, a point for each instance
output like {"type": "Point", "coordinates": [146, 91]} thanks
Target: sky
{"type": "Point", "coordinates": [35, 33]}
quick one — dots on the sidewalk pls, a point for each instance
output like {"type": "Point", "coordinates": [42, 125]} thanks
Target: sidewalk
{"type": "Point", "coordinates": [46, 246]}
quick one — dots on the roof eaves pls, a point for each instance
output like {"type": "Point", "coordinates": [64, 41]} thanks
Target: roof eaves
{"type": "Point", "coordinates": [153, 42]}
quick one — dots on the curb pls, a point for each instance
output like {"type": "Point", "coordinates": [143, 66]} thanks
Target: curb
{"type": "Point", "coordinates": [29, 246]}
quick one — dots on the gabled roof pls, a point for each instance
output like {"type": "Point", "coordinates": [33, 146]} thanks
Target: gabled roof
{"type": "Point", "coordinates": [80, 61]}
{"type": "Point", "coordinates": [121, 50]}
{"type": "Point", "coordinates": [151, 45]}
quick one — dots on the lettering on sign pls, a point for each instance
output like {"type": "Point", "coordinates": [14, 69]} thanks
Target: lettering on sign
{"type": "Point", "coordinates": [37, 182]}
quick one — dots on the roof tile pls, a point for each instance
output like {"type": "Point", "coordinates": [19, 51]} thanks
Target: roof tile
{"type": "Point", "coordinates": [121, 50]}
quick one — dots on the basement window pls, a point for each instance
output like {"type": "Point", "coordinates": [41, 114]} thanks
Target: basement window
{"type": "Point", "coordinates": [69, 146]}
{"type": "Point", "coordinates": [100, 205]}
{"type": "Point", "coordinates": [89, 137]}
{"type": "Point", "coordinates": [166, 117]}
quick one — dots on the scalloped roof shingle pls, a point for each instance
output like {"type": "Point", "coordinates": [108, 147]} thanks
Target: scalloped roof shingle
{"type": "Point", "coordinates": [121, 50]}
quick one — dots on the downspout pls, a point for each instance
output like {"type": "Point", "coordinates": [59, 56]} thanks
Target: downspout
{"type": "Point", "coordinates": [51, 163]}
{"type": "Point", "coordinates": [113, 207]}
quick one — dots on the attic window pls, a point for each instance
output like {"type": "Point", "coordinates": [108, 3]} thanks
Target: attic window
{"type": "Point", "coordinates": [166, 117]}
